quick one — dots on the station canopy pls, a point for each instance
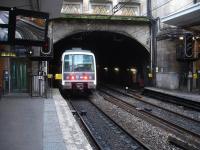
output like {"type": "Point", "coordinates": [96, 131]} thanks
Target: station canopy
{"type": "Point", "coordinates": [186, 18]}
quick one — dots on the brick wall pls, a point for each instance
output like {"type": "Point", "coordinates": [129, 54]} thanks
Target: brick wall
{"type": "Point", "coordinates": [1, 71]}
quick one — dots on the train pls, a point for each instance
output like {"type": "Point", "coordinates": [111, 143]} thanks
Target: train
{"type": "Point", "coordinates": [78, 70]}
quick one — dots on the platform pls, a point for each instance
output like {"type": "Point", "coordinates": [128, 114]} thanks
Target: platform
{"type": "Point", "coordinates": [176, 93]}
{"type": "Point", "coordinates": [39, 124]}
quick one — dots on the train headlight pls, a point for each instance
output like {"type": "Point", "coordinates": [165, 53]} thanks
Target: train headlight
{"type": "Point", "coordinates": [133, 70]}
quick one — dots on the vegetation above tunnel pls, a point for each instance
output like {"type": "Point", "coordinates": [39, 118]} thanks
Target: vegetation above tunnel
{"type": "Point", "coordinates": [131, 19]}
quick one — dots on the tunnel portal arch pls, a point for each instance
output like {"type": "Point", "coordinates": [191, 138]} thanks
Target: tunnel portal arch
{"type": "Point", "coordinates": [111, 50]}
{"type": "Point", "coordinates": [137, 30]}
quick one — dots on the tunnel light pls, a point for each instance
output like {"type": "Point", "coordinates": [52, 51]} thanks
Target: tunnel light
{"type": "Point", "coordinates": [133, 70]}
{"type": "Point", "coordinates": [181, 37]}
{"type": "Point", "coordinates": [105, 68]}
{"type": "Point", "coordinates": [116, 69]}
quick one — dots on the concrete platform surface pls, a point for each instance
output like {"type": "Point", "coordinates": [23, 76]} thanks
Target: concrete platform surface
{"type": "Point", "coordinates": [39, 124]}
{"type": "Point", "coordinates": [21, 123]}
{"type": "Point", "coordinates": [177, 93]}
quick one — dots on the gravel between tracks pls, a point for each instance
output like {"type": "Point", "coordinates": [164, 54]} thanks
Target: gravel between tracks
{"type": "Point", "coordinates": [154, 137]}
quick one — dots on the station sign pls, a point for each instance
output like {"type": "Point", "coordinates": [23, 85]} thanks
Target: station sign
{"type": "Point", "coordinates": [7, 54]}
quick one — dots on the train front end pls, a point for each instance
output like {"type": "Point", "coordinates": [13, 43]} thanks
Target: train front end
{"type": "Point", "coordinates": [79, 71]}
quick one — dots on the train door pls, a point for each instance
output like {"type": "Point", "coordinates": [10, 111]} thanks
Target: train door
{"type": "Point", "coordinates": [19, 75]}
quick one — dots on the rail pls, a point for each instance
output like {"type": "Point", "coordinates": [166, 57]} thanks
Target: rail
{"type": "Point", "coordinates": [169, 126]}
{"type": "Point", "coordinates": [96, 137]}
{"type": "Point", "coordinates": [173, 99]}
{"type": "Point", "coordinates": [132, 94]}
{"type": "Point", "coordinates": [97, 145]}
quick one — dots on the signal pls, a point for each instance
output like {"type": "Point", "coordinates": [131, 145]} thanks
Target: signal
{"type": "Point", "coordinates": [188, 45]}
{"type": "Point", "coordinates": [46, 50]}
{"type": "Point", "coordinates": [45, 47]}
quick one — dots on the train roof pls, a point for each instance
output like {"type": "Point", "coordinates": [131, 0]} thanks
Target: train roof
{"type": "Point", "coordinates": [77, 51]}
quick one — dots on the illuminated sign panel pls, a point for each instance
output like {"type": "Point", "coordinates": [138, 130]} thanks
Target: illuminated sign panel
{"type": "Point", "coordinates": [7, 54]}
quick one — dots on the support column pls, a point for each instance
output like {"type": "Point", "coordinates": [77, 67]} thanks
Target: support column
{"type": "Point", "coordinates": [153, 47]}
{"type": "Point", "coordinates": [85, 6]}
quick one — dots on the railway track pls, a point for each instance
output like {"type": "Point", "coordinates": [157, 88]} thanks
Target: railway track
{"type": "Point", "coordinates": [182, 131]}
{"type": "Point", "coordinates": [173, 99]}
{"type": "Point", "coordinates": [133, 94]}
{"type": "Point", "coordinates": [105, 133]}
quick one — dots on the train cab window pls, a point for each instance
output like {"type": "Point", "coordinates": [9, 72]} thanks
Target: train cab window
{"type": "Point", "coordinates": [83, 63]}
{"type": "Point", "coordinates": [78, 63]}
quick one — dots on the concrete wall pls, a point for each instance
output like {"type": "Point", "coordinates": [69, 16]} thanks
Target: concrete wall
{"type": "Point", "coordinates": [35, 67]}
{"type": "Point", "coordinates": [53, 7]}
{"type": "Point", "coordinates": [168, 80]}
{"type": "Point", "coordinates": [1, 72]}
{"type": "Point", "coordinates": [167, 75]}
{"type": "Point", "coordinates": [169, 68]}
{"type": "Point", "coordinates": [22, 4]}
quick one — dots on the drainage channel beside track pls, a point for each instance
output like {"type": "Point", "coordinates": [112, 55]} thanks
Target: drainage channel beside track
{"type": "Point", "coordinates": [183, 127]}
{"type": "Point", "coordinates": [106, 133]}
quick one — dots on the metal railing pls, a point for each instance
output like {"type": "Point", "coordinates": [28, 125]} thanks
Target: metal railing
{"type": "Point", "coordinates": [41, 86]}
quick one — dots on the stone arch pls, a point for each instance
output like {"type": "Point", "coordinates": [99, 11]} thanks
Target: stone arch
{"type": "Point", "coordinates": [64, 28]}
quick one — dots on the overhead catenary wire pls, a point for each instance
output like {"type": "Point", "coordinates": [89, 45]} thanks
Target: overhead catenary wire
{"type": "Point", "coordinates": [158, 7]}
{"type": "Point", "coordinates": [171, 12]}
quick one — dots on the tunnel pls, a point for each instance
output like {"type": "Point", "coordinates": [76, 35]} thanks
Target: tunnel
{"type": "Point", "coordinates": [121, 60]}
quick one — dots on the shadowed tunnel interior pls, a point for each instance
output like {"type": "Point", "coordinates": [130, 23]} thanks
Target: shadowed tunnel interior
{"type": "Point", "coordinates": [120, 59]}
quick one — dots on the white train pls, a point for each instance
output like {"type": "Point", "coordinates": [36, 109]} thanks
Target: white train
{"type": "Point", "coordinates": [78, 70]}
